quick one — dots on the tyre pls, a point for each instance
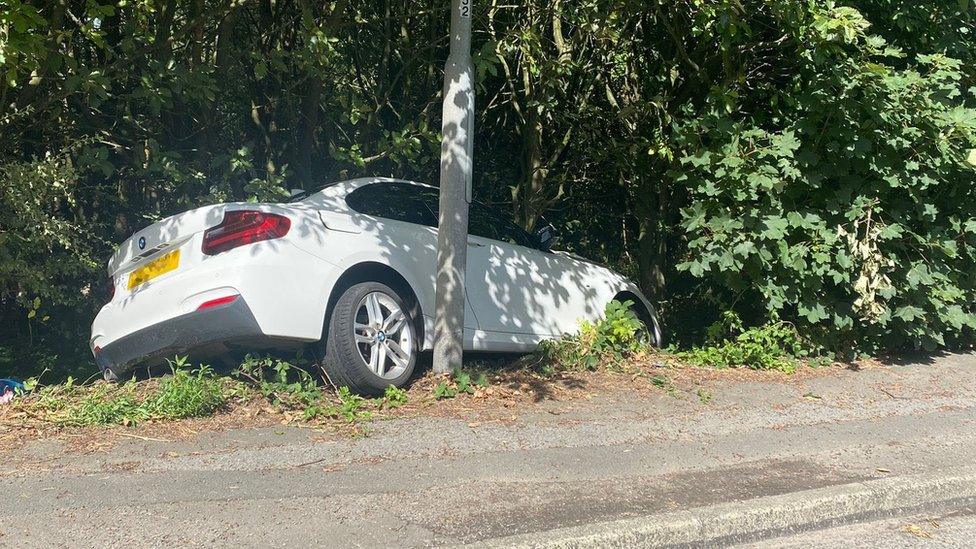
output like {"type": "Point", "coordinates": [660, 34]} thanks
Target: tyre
{"type": "Point", "coordinates": [652, 328]}
{"type": "Point", "coordinates": [371, 342]}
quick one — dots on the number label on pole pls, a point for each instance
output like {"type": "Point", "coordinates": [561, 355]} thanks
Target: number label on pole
{"type": "Point", "coordinates": [466, 9]}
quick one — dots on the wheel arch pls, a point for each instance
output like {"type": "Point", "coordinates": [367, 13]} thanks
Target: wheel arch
{"type": "Point", "coordinates": [372, 271]}
{"type": "Point", "coordinates": [645, 312]}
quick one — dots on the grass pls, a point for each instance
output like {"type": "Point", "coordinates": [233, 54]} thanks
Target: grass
{"type": "Point", "coordinates": [296, 391]}
{"type": "Point", "coordinates": [191, 392]}
{"type": "Point", "coordinates": [185, 394]}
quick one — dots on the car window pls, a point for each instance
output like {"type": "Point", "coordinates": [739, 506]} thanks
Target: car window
{"type": "Point", "coordinates": [490, 223]}
{"type": "Point", "coordinates": [418, 204]}
{"type": "Point", "coordinates": [397, 201]}
{"type": "Point", "coordinates": [481, 222]}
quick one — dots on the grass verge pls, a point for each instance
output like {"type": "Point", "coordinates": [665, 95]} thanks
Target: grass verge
{"type": "Point", "coordinates": [290, 391]}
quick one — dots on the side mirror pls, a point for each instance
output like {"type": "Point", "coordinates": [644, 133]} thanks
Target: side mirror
{"type": "Point", "coordinates": [547, 236]}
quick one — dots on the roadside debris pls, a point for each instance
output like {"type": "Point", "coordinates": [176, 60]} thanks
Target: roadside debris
{"type": "Point", "coordinates": [8, 389]}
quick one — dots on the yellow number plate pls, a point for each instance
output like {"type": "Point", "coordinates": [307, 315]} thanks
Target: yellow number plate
{"type": "Point", "coordinates": [154, 268]}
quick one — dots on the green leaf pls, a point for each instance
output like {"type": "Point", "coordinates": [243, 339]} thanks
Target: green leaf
{"type": "Point", "coordinates": [694, 267]}
{"type": "Point", "coordinates": [909, 313]}
{"type": "Point", "coordinates": [813, 314]}
{"type": "Point", "coordinates": [919, 274]}
{"type": "Point", "coordinates": [775, 227]}
{"type": "Point", "coordinates": [893, 230]}
{"type": "Point", "coordinates": [957, 318]}
{"type": "Point", "coordinates": [743, 249]}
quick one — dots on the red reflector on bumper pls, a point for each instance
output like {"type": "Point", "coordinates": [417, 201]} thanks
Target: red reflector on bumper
{"type": "Point", "coordinates": [217, 302]}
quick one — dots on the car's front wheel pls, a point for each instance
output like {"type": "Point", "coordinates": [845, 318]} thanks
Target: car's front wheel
{"type": "Point", "coordinates": [371, 342]}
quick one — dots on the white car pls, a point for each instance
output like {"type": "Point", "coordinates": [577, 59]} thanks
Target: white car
{"type": "Point", "coordinates": [350, 270]}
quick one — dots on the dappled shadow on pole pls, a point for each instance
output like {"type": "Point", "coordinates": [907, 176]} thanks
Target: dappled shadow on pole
{"type": "Point", "coordinates": [455, 192]}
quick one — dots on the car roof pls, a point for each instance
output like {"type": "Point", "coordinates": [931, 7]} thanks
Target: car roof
{"type": "Point", "coordinates": [345, 187]}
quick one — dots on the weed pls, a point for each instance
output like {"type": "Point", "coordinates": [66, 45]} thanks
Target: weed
{"type": "Point", "coordinates": [775, 345]}
{"type": "Point", "coordinates": [285, 385]}
{"type": "Point", "coordinates": [186, 393]}
{"type": "Point", "coordinates": [107, 405]}
{"type": "Point", "coordinates": [466, 383]}
{"type": "Point", "coordinates": [605, 342]}
{"type": "Point", "coordinates": [546, 368]}
{"type": "Point", "coordinates": [820, 361]}
{"type": "Point", "coordinates": [393, 397]}
{"type": "Point", "coordinates": [351, 406]}
{"type": "Point", "coordinates": [703, 396]}
{"type": "Point", "coordinates": [289, 387]}
{"type": "Point", "coordinates": [665, 383]}
{"type": "Point", "coordinates": [461, 381]}
{"type": "Point", "coordinates": [444, 389]}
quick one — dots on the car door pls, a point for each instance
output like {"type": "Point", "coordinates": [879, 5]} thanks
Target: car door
{"type": "Point", "coordinates": [404, 231]}
{"type": "Point", "coordinates": [520, 293]}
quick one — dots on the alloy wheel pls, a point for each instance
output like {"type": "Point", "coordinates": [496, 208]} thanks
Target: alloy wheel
{"type": "Point", "coordinates": [384, 335]}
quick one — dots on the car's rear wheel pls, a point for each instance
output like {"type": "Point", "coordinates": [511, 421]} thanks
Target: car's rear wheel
{"type": "Point", "coordinates": [371, 342]}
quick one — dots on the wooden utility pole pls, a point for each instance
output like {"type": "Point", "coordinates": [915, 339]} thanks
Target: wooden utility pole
{"type": "Point", "coordinates": [457, 129]}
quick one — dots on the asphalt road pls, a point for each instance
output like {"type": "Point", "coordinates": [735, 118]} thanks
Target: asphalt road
{"type": "Point", "coordinates": [418, 482]}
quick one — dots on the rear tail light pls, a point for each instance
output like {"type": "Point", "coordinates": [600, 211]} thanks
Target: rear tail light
{"type": "Point", "coordinates": [241, 227]}
{"type": "Point", "coordinates": [217, 302]}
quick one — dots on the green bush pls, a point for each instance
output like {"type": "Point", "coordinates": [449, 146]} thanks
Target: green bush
{"type": "Point", "coordinates": [775, 345]}
{"type": "Point", "coordinates": [601, 343]}
{"type": "Point", "coordinates": [847, 201]}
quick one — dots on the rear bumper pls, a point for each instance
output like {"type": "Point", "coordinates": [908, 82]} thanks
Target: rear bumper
{"type": "Point", "coordinates": [223, 324]}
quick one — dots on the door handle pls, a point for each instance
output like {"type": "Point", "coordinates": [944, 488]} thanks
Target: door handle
{"type": "Point", "coordinates": [475, 244]}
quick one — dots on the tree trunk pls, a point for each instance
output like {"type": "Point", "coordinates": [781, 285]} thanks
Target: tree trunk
{"type": "Point", "coordinates": [533, 172]}
{"type": "Point", "coordinates": [651, 240]}
{"type": "Point", "coordinates": [306, 139]}
{"type": "Point", "coordinates": [164, 31]}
